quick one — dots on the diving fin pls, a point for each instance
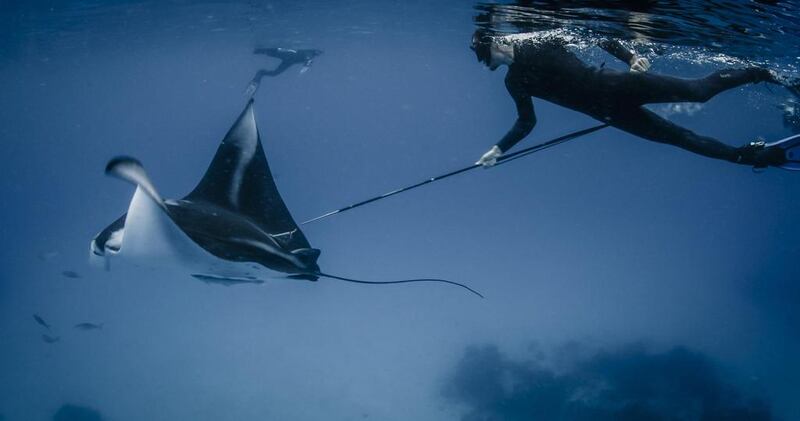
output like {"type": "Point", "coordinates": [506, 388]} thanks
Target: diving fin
{"type": "Point", "coordinates": [791, 150]}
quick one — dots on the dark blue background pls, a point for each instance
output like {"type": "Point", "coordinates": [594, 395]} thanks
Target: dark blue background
{"type": "Point", "coordinates": [607, 240]}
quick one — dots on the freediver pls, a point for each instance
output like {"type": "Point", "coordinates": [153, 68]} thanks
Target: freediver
{"type": "Point", "coordinates": [288, 58]}
{"type": "Point", "coordinates": [547, 70]}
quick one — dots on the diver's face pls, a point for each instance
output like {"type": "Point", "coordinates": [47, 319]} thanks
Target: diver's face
{"type": "Point", "coordinates": [482, 50]}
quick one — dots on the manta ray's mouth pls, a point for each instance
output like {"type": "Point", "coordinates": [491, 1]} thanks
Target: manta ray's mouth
{"type": "Point", "coordinates": [112, 245]}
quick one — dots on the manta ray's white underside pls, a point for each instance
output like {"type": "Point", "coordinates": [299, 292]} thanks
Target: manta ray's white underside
{"type": "Point", "coordinates": [151, 239]}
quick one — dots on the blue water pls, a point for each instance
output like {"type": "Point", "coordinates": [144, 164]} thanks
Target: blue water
{"type": "Point", "coordinates": [623, 279]}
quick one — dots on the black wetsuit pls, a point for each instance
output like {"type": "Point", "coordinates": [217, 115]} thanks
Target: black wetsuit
{"type": "Point", "coordinates": [550, 72]}
{"type": "Point", "coordinates": [288, 59]}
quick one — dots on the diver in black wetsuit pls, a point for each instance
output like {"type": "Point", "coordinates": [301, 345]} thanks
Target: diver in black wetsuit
{"type": "Point", "coordinates": [547, 70]}
{"type": "Point", "coordinates": [288, 58]}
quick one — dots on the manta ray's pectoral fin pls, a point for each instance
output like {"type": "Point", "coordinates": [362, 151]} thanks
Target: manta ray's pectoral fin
{"type": "Point", "coordinates": [239, 179]}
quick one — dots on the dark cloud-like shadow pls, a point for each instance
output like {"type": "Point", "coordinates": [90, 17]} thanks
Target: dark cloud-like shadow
{"type": "Point", "coordinates": [69, 412]}
{"type": "Point", "coordinates": [629, 383]}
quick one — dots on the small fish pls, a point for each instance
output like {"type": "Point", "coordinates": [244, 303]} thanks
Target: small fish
{"type": "Point", "coordinates": [50, 339]}
{"type": "Point", "coordinates": [71, 274]}
{"type": "Point", "coordinates": [41, 321]}
{"type": "Point", "coordinates": [89, 326]}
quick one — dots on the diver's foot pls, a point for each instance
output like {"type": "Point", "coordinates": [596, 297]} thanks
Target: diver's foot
{"type": "Point", "coordinates": [758, 155]}
{"type": "Point", "coordinates": [765, 75]}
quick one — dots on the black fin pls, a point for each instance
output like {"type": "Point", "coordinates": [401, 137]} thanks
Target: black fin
{"type": "Point", "coordinates": [239, 179]}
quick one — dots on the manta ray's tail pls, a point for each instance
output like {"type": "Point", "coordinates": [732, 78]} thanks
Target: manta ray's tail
{"type": "Point", "coordinates": [405, 281]}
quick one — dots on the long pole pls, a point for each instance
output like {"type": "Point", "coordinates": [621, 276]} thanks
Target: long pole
{"type": "Point", "coordinates": [502, 160]}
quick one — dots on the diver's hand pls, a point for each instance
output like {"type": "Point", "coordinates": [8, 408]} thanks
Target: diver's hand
{"type": "Point", "coordinates": [252, 87]}
{"type": "Point", "coordinates": [490, 157]}
{"type": "Point", "coordinates": [639, 64]}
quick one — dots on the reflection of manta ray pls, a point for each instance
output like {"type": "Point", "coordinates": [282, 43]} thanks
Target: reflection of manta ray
{"type": "Point", "coordinates": [232, 228]}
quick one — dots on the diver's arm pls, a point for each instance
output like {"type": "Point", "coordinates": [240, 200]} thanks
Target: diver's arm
{"type": "Point", "coordinates": [616, 49]}
{"type": "Point", "coordinates": [526, 120]}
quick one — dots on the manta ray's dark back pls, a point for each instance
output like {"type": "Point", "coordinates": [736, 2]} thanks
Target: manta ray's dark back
{"type": "Point", "coordinates": [239, 179]}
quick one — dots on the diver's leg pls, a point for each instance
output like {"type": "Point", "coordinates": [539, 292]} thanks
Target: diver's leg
{"type": "Point", "coordinates": [646, 124]}
{"type": "Point", "coordinates": [654, 88]}
{"type": "Point", "coordinates": [252, 87]}
{"type": "Point", "coordinates": [280, 69]}
{"type": "Point", "coordinates": [274, 72]}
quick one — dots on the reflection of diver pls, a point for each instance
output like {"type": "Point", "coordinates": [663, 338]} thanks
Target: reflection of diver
{"type": "Point", "coordinates": [288, 58]}
{"type": "Point", "coordinates": [547, 70]}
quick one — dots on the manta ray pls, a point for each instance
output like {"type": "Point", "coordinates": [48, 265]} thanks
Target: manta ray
{"type": "Point", "coordinates": [233, 228]}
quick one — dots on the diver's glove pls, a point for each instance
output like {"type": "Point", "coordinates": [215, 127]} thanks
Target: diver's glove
{"type": "Point", "coordinates": [639, 64]}
{"type": "Point", "coordinates": [490, 158]}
